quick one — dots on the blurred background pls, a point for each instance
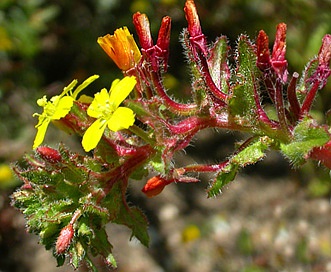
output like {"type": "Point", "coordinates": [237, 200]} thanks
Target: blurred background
{"type": "Point", "coordinates": [271, 218]}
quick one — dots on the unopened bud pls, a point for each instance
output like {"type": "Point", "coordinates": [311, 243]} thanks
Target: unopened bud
{"type": "Point", "coordinates": [324, 55]}
{"type": "Point", "coordinates": [49, 154]}
{"type": "Point", "coordinates": [155, 186]}
{"type": "Point", "coordinates": [191, 14]}
{"type": "Point", "coordinates": [278, 61]}
{"type": "Point", "coordinates": [64, 239]}
{"type": "Point", "coordinates": [263, 52]}
{"type": "Point", "coordinates": [163, 41]}
{"type": "Point", "coordinates": [141, 24]}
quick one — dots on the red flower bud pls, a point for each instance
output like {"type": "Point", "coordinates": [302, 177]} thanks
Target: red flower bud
{"type": "Point", "coordinates": [64, 239]}
{"type": "Point", "coordinates": [155, 186]}
{"type": "Point", "coordinates": [49, 154]}
{"type": "Point", "coordinates": [278, 61]}
{"type": "Point", "coordinates": [263, 52]}
{"type": "Point", "coordinates": [191, 14]}
{"type": "Point", "coordinates": [163, 41]}
{"type": "Point", "coordinates": [324, 55]}
{"type": "Point", "coordinates": [141, 23]}
{"type": "Point", "coordinates": [197, 38]}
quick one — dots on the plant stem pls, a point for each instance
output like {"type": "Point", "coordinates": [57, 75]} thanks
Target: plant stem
{"type": "Point", "coordinates": [292, 97]}
{"type": "Point", "coordinates": [306, 105]}
{"type": "Point", "coordinates": [280, 109]}
{"type": "Point", "coordinates": [171, 104]}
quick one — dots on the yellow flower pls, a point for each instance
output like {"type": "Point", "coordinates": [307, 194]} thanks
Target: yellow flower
{"type": "Point", "coordinates": [121, 48]}
{"type": "Point", "coordinates": [105, 107]}
{"type": "Point", "coordinates": [58, 107]}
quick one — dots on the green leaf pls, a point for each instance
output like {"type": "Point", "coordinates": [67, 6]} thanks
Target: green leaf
{"type": "Point", "coordinates": [60, 260]}
{"type": "Point", "coordinates": [83, 190]}
{"type": "Point", "coordinates": [307, 135]}
{"type": "Point", "coordinates": [135, 219]}
{"type": "Point", "coordinates": [218, 65]}
{"type": "Point", "coordinates": [310, 69]}
{"type": "Point", "coordinates": [121, 213]}
{"type": "Point", "coordinates": [242, 106]}
{"type": "Point", "coordinates": [226, 175]}
{"type": "Point", "coordinates": [103, 247]}
{"type": "Point", "coordinates": [252, 151]}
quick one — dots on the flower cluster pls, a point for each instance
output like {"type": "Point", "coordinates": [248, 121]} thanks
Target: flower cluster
{"type": "Point", "coordinates": [136, 127]}
{"type": "Point", "coordinates": [104, 107]}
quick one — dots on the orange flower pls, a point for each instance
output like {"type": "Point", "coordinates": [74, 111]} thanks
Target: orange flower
{"type": "Point", "coordinates": [121, 48]}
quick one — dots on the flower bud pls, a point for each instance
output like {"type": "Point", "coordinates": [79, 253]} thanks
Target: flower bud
{"type": "Point", "coordinates": [191, 14]}
{"type": "Point", "coordinates": [49, 154]}
{"type": "Point", "coordinates": [197, 38]}
{"type": "Point", "coordinates": [324, 55]}
{"type": "Point", "coordinates": [155, 186]}
{"type": "Point", "coordinates": [141, 23]}
{"type": "Point", "coordinates": [64, 239]}
{"type": "Point", "coordinates": [163, 41]}
{"type": "Point", "coordinates": [278, 61]}
{"type": "Point", "coordinates": [263, 52]}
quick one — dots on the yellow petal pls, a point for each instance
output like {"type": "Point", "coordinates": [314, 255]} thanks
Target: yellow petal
{"type": "Point", "coordinates": [121, 90]}
{"type": "Point", "coordinates": [84, 85]}
{"type": "Point", "coordinates": [62, 107]}
{"type": "Point", "coordinates": [122, 118]}
{"type": "Point", "coordinates": [93, 134]}
{"type": "Point", "coordinates": [41, 131]}
{"type": "Point", "coordinates": [99, 104]}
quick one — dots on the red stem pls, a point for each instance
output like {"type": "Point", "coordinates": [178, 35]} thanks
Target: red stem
{"type": "Point", "coordinates": [215, 167]}
{"type": "Point", "coordinates": [263, 117]}
{"type": "Point", "coordinates": [207, 77]}
{"type": "Point", "coordinates": [292, 97]}
{"type": "Point", "coordinates": [123, 171]}
{"type": "Point", "coordinates": [171, 104]}
{"type": "Point", "coordinates": [280, 109]}
{"type": "Point", "coordinates": [205, 167]}
{"type": "Point", "coordinates": [306, 105]}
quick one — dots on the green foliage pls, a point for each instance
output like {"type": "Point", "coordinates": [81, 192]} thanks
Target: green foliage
{"type": "Point", "coordinates": [218, 63]}
{"type": "Point", "coordinates": [306, 136]}
{"type": "Point", "coordinates": [75, 191]}
{"type": "Point", "coordinates": [250, 152]}
{"type": "Point", "coordinates": [242, 106]}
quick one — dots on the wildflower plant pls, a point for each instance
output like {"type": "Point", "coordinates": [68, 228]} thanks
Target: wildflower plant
{"type": "Point", "coordinates": [136, 127]}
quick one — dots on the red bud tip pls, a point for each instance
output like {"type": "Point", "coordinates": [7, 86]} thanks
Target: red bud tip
{"type": "Point", "coordinates": [141, 23]}
{"type": "Point", "coordinates": [278, 60]}
{"type": "Point", "coordinates": [155, 186]}
{"type": "Point", "coordinates": [163, 41]}
{"type": "Point", "coordinates": [49, 154]}
{"type": "Point", "coordinates": [191, 14]}
{"type": "Point", "coordinates": [163, 38]}
{"type": "Point", "coordinates": [324, 55]}
{"type": "Point", "coordinates": [64, 239]}
{"type": "Point", "coordinates": [263, 52]}
{"type": "Point", "coordinates": [279, 50]}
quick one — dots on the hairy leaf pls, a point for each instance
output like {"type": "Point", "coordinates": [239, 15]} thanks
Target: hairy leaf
{"type": "Point", "coordinates": [307, 135]}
